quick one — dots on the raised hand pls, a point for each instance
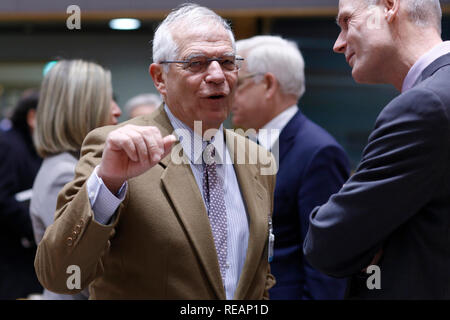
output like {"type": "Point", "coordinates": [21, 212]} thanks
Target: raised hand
{"type": "Point", "coordinates": [130, 151]}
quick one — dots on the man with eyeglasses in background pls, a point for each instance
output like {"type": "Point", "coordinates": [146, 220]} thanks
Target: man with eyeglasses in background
{"type": "Point", "coordinates": [139, 223]}
{"type": "Point", "coordinates": [312, 165]}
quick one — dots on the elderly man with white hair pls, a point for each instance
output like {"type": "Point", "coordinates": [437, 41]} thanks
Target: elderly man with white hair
{"type": "Point", "coordinates": [138, 223]}
{"type": "Point", "coordinates": [312, 165]}
{"type": "Point", "coordinates": [142, 104]}
{"type": "Point", "coordinates": [388, 227]}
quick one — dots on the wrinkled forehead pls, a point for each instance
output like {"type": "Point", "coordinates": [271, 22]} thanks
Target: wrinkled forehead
{"type": "Point", "coordinates": [208, 39]}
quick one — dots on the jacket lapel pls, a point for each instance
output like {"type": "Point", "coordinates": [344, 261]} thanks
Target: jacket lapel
{"type": "Point", "coordinates": [288, 133]}
{"type": "Point", "coordinates": [179, 182]}
{"type": "Point", "coordinates": [254, 196]}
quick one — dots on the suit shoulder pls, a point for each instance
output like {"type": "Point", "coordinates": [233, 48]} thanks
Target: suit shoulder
{"type": "Point", "coordinates": [250, 146]}
{"type": "Point", "coordinates": [421, 103]}
{"type": "Point", "coordinates": [312, 136]}
{"type": "Point", "coordinates": [97, 136]}
{"type": "Point", "coordinates": [57, 168]}
{"type": "Point", "coordinates": [253, 154]}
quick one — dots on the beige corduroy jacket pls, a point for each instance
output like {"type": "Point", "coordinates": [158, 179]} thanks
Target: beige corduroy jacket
{"type": "Point", "coordinates": [160, 244]}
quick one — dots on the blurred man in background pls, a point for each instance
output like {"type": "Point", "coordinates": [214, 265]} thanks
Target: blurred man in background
{"type": "Point", "coordinates": [142, 104]}
{"type": "Point", "coordinates": [19, 164]}
{"type": "Point", "coordinates": [312, 165]}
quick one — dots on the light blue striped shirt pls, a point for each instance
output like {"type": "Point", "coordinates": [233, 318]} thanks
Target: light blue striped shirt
{"type": "Point", "coordinates": [104, 203]}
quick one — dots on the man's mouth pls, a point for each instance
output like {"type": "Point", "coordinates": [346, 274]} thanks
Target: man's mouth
{"type": "Point", "coordinates": [216, 96]}
{"type": "Point", "coordinates": [349, 57]}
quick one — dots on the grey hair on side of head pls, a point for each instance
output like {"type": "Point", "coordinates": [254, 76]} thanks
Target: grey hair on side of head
{"type": "Point", "coordinates": [423, 13]}
{"type": "Point", "coordinates": [143, 99]}
{"type": "Point", "coordinates": [276, 55]}
{"type": "Point", "coordinates": [190, 14]}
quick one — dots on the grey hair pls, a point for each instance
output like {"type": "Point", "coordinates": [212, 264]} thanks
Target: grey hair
{"type": "Point", "coordinates": [189, 15]}
{"type": "Point", "coordinates": [278, 56]}
{"type": "Point", "coordinates": [423, 13]}
{"type": "Point", "coordinates": [143, 99]}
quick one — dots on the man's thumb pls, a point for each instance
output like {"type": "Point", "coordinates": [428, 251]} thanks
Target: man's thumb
{"type": "Point", "coordinates": [168, 142]}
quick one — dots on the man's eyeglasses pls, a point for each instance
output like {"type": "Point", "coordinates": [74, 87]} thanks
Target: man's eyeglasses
{"type": "Point", "coordinates": [201, 63]}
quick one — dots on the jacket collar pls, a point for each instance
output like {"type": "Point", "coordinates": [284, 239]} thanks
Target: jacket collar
{"type": "Point", "coordinates": [433, 67]}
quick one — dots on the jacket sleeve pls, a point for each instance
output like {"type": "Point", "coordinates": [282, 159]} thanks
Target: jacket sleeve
{"type": "Point", "coordinates": [401, 167]}
{"type": "Point", "coordinates": [75, 238]}
{"type": "Point", "coordinates": [325, 174]}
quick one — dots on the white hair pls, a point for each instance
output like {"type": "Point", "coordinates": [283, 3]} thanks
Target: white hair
{"type": "Point", "coordinates": [278, 56]}
{"type": "Point", "coordinates": [143, 99]}
{"type": "Point", "coordinates": [187, 15]}
{"type": "Point", "coordinates": [423, 13]}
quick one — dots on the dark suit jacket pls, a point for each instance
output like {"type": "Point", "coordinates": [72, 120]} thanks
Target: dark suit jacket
{"type": "Point", "coordinates": [19, 164]}
{"type": "Point", "coordinates": [312, 167]}
{"type": "Point", "coordinates": [398, 200]}
{"type": "Point", "coordinates": [160, 244]}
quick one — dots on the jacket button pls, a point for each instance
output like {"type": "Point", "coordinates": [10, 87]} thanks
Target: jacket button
{"type": "Point", "coordinates": [69, 241]}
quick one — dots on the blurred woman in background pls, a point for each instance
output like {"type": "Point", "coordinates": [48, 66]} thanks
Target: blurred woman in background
{"type": "Point", "coordinates": [76, 97]}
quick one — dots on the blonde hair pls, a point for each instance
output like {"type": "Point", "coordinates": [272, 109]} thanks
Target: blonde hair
{"type": "Point", "coordinates": [75, 99]}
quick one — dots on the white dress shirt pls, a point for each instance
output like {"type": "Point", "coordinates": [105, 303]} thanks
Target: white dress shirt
{"type": "Point", "coordinates": [270, 132]}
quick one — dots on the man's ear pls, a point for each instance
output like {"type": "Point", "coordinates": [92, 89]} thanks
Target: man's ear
{"type": "Point", "coordinates": [271, 84]}
{"type": "Point", "coordinates": [158, 76]}
{"type": "Point", "coordinates": [391, 9]}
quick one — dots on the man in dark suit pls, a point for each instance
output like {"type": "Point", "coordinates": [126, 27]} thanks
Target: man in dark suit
{"type": "Point", "coordinates": [19, 164]}
{"type": "Point", "coordinates": [140, 222]}
{"type": "Point", "coordinates": [312, 165]}
{"type": "Point", "coordinates": [393, 214]}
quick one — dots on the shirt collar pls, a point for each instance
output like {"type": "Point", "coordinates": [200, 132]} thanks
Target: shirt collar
{"type": "Point", "coordinates": [423, 62]}
{"type": "Point", "coordinates": [192, 143]}
{"type": "Point", "coordinates": [270, 132]}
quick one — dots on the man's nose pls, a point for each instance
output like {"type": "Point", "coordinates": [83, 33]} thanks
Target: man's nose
{"type": "Point", "coordinates": [215, 73]}
{"type": "Point", "coordinates": [340, 44]}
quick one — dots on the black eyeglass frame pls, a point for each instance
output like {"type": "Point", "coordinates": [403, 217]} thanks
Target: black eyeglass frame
{"type": "Point", "coordinates": [208, 62]}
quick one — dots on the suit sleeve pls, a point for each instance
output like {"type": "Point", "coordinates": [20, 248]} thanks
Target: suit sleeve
{"type": "Point", "coordinates": [400, 169]}
{"type": "Point", "coordinates": [75, 238]}
{"type": "Point", "coordinates": [324, 176]}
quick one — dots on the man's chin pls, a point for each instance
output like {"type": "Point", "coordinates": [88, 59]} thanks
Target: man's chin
{"type": "Point", "coordinates": [359, 76]}
{"type": "Point", "coordinates": [236, 121]}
